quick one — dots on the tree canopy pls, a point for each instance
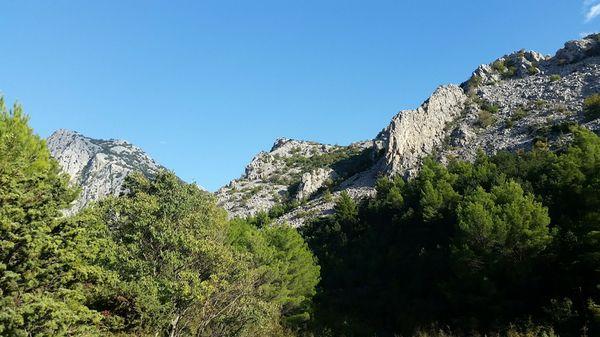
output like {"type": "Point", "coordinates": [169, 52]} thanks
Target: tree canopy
{"type": "Point", "coordinates": [42, 278]}
{"type": "Point", "coordinates": [472, 247]}
{"type": "Point", "coordinates": [162, 259]}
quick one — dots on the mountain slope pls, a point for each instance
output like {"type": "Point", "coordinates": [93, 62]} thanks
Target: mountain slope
{"type": "Point", "coordinates": [291, 172]}
{"type": "Point", "coordinates": [521, 100]}
{"type": "Point", "coordinates": [99, 167]}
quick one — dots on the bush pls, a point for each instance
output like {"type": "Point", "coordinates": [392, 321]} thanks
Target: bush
{"type": "Point", "coordinates": [532, 70]}
{"type": "Point", "coordinates": [474, 82]}
{"type": "Point", "coordinates": [563, 110]}
{"type": "Point", "coordinates": [539, 103]}
{"type": "Point", "coordinates": [555, 78]}
{"type": "Point", "coordinates": [591, 107]}
{"type": "Point", "coordinates": [486, 119]}
{"type": "Point", "coordinates": [488, 106]}
{"type": "Point", "coordinates": [327, 196]}
{"type": "Point", "coordinates": [499, 66]}
{"type": "Point", "coordinates": [505, 68]}
{"type": "Point", "coordinates": [519, 114]}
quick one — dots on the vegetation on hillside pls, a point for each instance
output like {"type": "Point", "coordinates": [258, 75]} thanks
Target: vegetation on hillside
{"type": "Point", "coordinates": [508, 245]}
{"type": "Point", "coordinates": [42, 276]}
{"type": "Point", "coordinates": [591, 107]}
{"type": "Point", "coordinates": [473, 248]}
{"type": "Point", "coordinates": [161, 260]}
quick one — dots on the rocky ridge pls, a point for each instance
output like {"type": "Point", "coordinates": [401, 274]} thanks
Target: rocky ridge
{"type": "Point", "coordinates": [291, 172]}
{"type": "Point", "coordinates": [521, 100]}
{"type": "Point", "coordinates": [99, 167]}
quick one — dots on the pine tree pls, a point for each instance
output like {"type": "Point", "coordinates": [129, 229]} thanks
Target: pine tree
{"type": "Point", "coordinates": [41, 279]}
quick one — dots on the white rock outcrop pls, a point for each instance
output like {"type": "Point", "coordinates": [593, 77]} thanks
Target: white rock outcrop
{"type": "Point", "coordinates": [523, 99]}
{"type": "Point", "coordinates": [99, 167]}
{"type": "Point", "coordinates": [513, 103]}
{"type": "Point", "coordinates": [414, 134]}
{"type": "Point", "coordinates": [313, 181]}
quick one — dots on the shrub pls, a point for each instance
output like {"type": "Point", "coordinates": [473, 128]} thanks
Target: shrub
{"type": "Point", "coordinates": [489, 107]}
{"type": "Point", "coordinates": [327, 196]}
{"type": "Point", "coordinates": [505, 68]}
{"type": "Point", "coordinates": [499, 66]}
{"type": "Point", "coordinates": [591, 107]}
{"type": "Point", "coordinates": [555, 78]}
{"type": "Point", "coordinates": [564, 127]}
{"type": "Point", "coordinates": [255, 190]}
{"type": "Point", "coordinates": [519, 114]}
{"type": "Point", "coordinates": [532, 70]}
{"type": "Point", "coordinates": [486, 119]}
{"type": "Point", "coordinates": [539, 103]}
{"type": "Point", "coordinates": [562, 109]}
{"type": "Point", "coordinates": [474, 82]}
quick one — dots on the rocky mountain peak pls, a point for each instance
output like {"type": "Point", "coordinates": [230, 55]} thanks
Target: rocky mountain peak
{"type": "Point", "coordinates": [519, 101]}
{"type": "Point", "coordinates": [293, 170]}
{"type": "Point", "coordinates": [99, 167]}
{"type": "Point", "coordinates": [521, 64]}
{"type": "Point", "coordinates": [578, 50]}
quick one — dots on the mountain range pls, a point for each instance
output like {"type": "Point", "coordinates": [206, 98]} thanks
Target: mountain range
{"type": "Point", "coordinates": [519, 101]}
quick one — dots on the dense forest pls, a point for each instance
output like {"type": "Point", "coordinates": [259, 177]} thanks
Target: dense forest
{"type": "Point", "coordinates": [508, 245]}
{"type": "Point", "coordinates": [161, 260]}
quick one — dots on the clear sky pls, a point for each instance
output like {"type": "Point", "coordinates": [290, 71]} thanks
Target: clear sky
{"type": "Point", "coordinates": [202, 86]}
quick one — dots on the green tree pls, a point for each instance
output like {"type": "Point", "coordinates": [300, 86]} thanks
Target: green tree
{"type": "Point", "coordinates": [168, 255]}
{"type": "Point", "coordinates": [288, 270]}
{"type": "Point", "coordinates": [345, 207]}
{"type": "Point", "coordinates": [42, 277]}
{"type": "Point", "coordinates": [499, 238]}
{"type": "Point", "coordinates": [504, 222]}
{"type": "Point", "coordinates": [457, 246]}
{"type": "Point", "coordinates": [183, 269]}
{"type": "Point", "coordinates": [294, 273]}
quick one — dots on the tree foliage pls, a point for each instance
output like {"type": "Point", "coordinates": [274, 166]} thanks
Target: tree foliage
{"type": "Point", "coordinates": [42, 276]}
{"type": "Point", "coordinates": [160, 260]}
{"type": "Point", "coordinates": [508, 244]}
{"type": "Point", "coordinates": [471, 246]}
{"type": "Point", "coordinates": [183, 269]}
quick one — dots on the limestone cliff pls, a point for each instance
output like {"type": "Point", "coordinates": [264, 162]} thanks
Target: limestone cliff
{"type": "Point", "coordinates": [520, 100]}
{"type": "Point", "coordinates": [99, 167]}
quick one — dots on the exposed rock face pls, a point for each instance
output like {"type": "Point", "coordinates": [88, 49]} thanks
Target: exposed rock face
{"type": "Point", "coordinates": [313, 181]}
{"type": "Point", "coordinates": [516, 65]}
{"type": "Point", "coordinates": [521, 100]}
{"type": "Point", "coordinates": [413, 134]}
{"type": "Point", "coordinates": [292, 170]}
{"type": "Point", "coordinates": [99, 167]}
{"type": "Point", "coordinates": [533, 109]}
{"type": "Point", "coordinates": [575, 51]}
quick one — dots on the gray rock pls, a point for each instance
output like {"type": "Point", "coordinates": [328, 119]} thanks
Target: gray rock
{"type": "Point", "coordinates": [534, 97]}
{"type": "Point", "coordinates": [414, 134]}
{"type": "Point", "coordinates": [577, 50]}
{"type": "Point", "coordinates": [527, 99]}
{"type": "Point", "coordinates": [313, 181]}
{"type": "Point", "coordinates": [99, 167]}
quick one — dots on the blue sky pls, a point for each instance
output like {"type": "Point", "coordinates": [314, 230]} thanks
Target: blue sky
{"type": "Point", "coordinates": [204, 85]}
